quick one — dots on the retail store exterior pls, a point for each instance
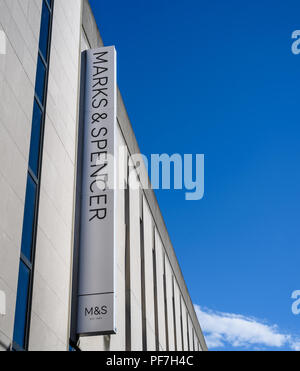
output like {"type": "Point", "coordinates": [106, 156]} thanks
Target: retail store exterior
{"type": "Point", "coordinates": [41, 154]}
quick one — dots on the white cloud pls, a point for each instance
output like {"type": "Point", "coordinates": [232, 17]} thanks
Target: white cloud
{"type": "Point", "coordinates": [295, 345]}
{"type": "Point", "coordinates": [238, 331]}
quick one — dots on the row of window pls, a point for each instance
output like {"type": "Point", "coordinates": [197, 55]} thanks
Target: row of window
{"type": "Point", "coordinates": [180, 316]}
{"type": "Point", "coordinates": [25, 282]}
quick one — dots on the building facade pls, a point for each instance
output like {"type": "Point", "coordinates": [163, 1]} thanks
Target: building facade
{"type": "Point", "coordinates": [40, 152]}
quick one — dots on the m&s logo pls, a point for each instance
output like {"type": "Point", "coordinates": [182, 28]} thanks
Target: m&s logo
{"type": "Point", "coordinates": [96, 311]}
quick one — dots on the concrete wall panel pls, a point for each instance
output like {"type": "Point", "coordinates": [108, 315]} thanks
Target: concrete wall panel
{"type": "Point", "coordinates": [169, 292]}
{"type": "Point", "coordinates": [177, 298]}
{"type": "Point", "coordinates": [184, 325]}
{"type": "Point", "coordinates": [20, 21]}
{"type": "Point", "coordinates": [160, 291]}
{"type": "Point", "coordinates": [51, 290]}
{"type": "Point", "coordinates": [149, 288]}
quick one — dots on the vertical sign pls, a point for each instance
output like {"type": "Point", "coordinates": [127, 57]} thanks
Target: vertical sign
{"type": "Point", "coordinates": [96, 286]}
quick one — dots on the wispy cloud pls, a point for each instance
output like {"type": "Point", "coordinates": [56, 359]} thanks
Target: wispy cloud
{"type": "Point", "coordinates": [238, 331]}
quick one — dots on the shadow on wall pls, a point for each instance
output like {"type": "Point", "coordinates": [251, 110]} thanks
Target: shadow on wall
{"type": "Point", "coordinates": [107, 339]}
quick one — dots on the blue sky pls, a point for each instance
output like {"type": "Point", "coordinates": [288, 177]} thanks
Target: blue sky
{"type": "Point", "coordinates": [219, 78]}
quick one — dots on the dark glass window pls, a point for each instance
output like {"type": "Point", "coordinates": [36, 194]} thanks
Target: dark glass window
{"type": "Point", "coordinates": [40, 80]}
{"type": "Point", "coordinates": [44, 33]}
{"type": "Point", "coordinates": [49, 3]}
{"type": "Point", "coordinates": [21, 307]}
{"type": "Point", "coordinates": [35, 139]}
{"type": "Point", "coordinates": [28, 218]}
{"type": "Point", "coordinates": [24, 295]}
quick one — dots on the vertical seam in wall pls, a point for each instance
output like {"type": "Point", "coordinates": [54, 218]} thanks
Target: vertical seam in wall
{"type": "Point", "coordinates": [166, 306]}
{"type": "Point", "coordinates": [82, 28]}
{"type": "Point", "coordinates": [127, 266]}
{"type": "Point", "coordinates": [143, 278]}
{"type": "Point", "coordinates": [155, 291]}
{"type": "Point", "coordinates": [193, 339]}
{"type": "Point", "coordinates": [188, 331]}
{"type": "Point", "coordinates": [75, 180]}
{"type": "Point", "coordinates": [181, 325]}
{"type": "Point", "coordinates": [174, 313]}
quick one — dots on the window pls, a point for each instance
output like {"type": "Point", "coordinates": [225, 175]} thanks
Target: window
{"type": "Point", "coordinates": [44, 34]}
{"type": "Point", "coordinates": [35, 138]}
{"type": "Point", "coordinates": [21, 308]}
{"type": "Point", "coordinates": [24, 294]}
{"type": "Point", "coordinates": [40, 80]}
{"type": "Point", "coordinates": [50, 3]}
{"type": "Point", "coordinates": [28, 219]}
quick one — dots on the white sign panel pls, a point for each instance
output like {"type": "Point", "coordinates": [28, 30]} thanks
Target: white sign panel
{"type": "Point", "coordinates": [96, 292]}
